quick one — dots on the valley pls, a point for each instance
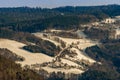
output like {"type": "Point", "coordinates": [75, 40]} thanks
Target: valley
{"type": "Point", "coordinates": [64, 43]}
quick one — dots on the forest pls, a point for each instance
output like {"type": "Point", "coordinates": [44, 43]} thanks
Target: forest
{"type": "Point", "coordinates": [37, 19]}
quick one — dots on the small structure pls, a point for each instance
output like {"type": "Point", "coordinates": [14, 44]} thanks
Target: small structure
{"type": "Point", "coordinates": [114, 34]}
{"type": "Point", "coordinates": [117, 35]}
{"type": "Point", "coordinates": [95, 24]}
{"type": "Point", "coordinates": [109, 21]}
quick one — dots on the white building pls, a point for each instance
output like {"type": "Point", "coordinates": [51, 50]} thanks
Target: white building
{"type": "Point", "coordinates": [114, 33]}
{"type": "Point", "coordinates": [117, 35]}
{"type": "Point", "coordinates": [95, 24]}
{"type": "Point", "coordinates": [109, 20]}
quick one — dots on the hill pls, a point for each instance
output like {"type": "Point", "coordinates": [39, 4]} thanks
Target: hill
{"type": "Point", "coordinates": [36, 19]}
{"type": "Point", "coordinates": [9, 70]}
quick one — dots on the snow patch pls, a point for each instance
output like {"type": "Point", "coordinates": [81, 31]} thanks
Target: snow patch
{"type": "Point", "coordinates": [30, 58]}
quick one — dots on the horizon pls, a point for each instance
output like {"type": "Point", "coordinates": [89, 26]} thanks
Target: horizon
{"type": "Point", "coordinates": [59, 6]}
{"type": "Point", "coordinates": [55, 3]}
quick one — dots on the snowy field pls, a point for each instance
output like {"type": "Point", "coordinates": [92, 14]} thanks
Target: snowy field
{"type": "Point", "coordinates": [30, 58]}
{"type": "Point", "coordinates": [81, 43]}
{"type": "Point", "coordinates": [39, 58]}
{"type": "Point", "coordinates": [34, 58]}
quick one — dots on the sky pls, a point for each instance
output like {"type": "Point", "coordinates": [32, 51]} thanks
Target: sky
{"type": "Point", "coordinates": [55, 3]}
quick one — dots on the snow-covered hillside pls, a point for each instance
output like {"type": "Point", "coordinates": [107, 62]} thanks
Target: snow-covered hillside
{"type": "Point", "coordinates": [71, 58]}
{"type": "Point", "coordinates": [74, 45]}
{"type": "Point", "coordinates": [30, 58]}
{"type": "Point", "coordinates": [33, 58]}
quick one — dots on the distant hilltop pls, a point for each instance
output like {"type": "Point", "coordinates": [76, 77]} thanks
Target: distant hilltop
{"type": "Point", "coordinates": [66, 17]}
